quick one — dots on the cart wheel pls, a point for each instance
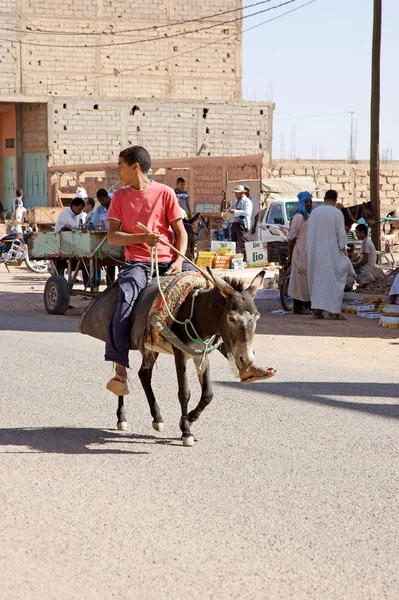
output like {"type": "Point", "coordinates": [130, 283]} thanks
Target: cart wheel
{"type": "Point", "coordinates": [56, 295]}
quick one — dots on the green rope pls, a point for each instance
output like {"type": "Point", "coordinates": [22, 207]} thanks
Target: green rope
{"type": "Point", "coordinates": [208, 344]}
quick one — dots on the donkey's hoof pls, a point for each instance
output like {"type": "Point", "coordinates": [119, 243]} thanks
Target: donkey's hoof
{"type": "Point", "coordinates": [158, 426]}
{"type": "Point", "coordinates": [122, 426]}
{"type": "Point", "coordinates": [188, 441]}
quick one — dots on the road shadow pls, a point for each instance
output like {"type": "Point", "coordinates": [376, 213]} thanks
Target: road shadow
{"type": "Point", "coordinates": [74, 440]}
{"type": "Point", "coordinates": [41, 322]}
{"type": "Point", "coordinates": [318, 393]}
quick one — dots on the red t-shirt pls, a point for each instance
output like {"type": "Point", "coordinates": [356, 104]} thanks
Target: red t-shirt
{"type": "Point", "coordinates": [155, 207]}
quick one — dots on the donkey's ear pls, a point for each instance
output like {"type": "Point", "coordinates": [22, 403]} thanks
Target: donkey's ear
{"type": "Point", "coordinates": [256, 283]}
{"type": "Point", "coordinates": [224, 288]}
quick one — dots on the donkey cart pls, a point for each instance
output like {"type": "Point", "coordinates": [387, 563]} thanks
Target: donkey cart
{"type": "Point", "coordinates": [73, 251]}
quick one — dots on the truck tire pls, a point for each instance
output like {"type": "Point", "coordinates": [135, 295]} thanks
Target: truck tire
{"type": "Point", "coordinates": [56, 295]}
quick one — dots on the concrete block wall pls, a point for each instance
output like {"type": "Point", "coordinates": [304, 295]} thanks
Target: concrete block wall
{"type": "Point", "coordinates": [350, 180]}
{"type": "Point", "coordinates": [153, 57]}
{"type": "Point", "coordinates": [95, 132]}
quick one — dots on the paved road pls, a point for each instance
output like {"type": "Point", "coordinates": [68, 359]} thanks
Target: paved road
{"type": "Point", "coordinates": [291, 491]}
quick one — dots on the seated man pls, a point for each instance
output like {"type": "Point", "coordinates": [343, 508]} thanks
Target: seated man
{"type": "Point", "coordinates": [368, 251]}
{"type": "Point", "coordinates": [154, 205]}
{"type": "Point", "coordinates": [101, 212]}
{"type": "Point", "coordinates": [366, 266]}
{"type": "Point", "coordinates": [69, 219]}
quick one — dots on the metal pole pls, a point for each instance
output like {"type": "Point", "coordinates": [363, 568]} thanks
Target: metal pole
{"type": "Point", "coordinates": [375, 122]}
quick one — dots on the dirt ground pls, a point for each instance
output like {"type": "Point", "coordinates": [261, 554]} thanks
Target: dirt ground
{"type": "Point", "coordinates": [359, 341]}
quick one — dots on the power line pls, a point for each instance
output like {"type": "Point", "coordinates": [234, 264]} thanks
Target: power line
{"type": "Point", "coordinates": [156, 62]}
{"type": "Point", "coordinates": [157, 38]}
{"type": "Point", "coordinates": [310, 117]}
{"type": "Point", "coordinates": [149, 28]}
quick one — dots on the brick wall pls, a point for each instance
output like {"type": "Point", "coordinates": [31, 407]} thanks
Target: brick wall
{"type": "Point", "coordinates": [34, 128]}
{"type": "Point", "coordinates": [350, 180]}
{"type": "Point", "coordinates": [205, 177]}
{"type": "Point", "coordinates": [152, 58]}
{"type": "Point", "coordinates": [95, 132]}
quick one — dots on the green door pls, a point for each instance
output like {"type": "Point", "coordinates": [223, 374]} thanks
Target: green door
{"type": "Point", "coordinates": [9, 186]}
{"type": "Point", "coordinates": [35, 179]}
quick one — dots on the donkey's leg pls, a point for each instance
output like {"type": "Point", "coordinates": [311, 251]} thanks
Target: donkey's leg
{"type": "Point", "coordinates": [184, 396]}
{"type": "Point", "coordinates": [145, 375]}
{"type": "Point", "coordinates": [120, 413]}
{"type": "Point", "coordinates": [204, 376]}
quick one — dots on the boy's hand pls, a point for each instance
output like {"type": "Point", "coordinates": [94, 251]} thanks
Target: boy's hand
{"type": "Point", "coordinates": [151, 239]}
{"type": "Point", "coordinates": [175, 268]}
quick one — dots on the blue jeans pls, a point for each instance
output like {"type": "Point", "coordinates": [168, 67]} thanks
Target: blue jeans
{"type": "Point", "coordinates": [132, 280]}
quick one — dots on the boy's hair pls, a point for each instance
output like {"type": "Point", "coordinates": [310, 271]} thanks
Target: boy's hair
{"type": "Point", "coordinates": [19, 193]}
{"type": "Point", "coordinates": [102, 193]}
{"type": "Point", "coordinates": [363, 228]}
{"type": "Point", "coordinates": [137, 154]}
{"type": "Point", "coordinates": [180, 180]}
{"type": "Point", "coordinates": [77, 202]}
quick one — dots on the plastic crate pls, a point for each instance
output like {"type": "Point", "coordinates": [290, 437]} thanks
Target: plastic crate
{"type": "Point", "coordinates": [277, 252]}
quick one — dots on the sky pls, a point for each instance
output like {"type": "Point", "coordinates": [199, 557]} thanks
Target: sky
{"type": "Point", "coordinates": [317, 61]}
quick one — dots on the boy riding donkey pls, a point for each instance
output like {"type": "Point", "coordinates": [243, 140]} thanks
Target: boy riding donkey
{"type": "Point", "coordinates": [155, 206]}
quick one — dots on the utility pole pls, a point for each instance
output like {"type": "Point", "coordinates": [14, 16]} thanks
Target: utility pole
{"type": "Point", "coordinates": [375, 122]}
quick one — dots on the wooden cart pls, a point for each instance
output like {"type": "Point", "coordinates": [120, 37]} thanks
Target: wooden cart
{"type": "Point", "coordinates": [73, 251]}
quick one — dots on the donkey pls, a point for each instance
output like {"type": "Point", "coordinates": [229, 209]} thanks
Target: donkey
{"type": "Point", "coordinates": [353, 213]}
{"type": "Point", "coordinates": [227, 311]}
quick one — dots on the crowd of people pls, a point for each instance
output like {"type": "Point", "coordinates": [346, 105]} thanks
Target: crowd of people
{"type": "Point", "coordinates": [320, 268]}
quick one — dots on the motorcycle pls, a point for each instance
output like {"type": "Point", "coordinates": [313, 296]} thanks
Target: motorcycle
{"type": "Point", "coordinates": [14, 251]}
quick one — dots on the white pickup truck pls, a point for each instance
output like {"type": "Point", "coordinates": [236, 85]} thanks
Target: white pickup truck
{"type": "Point", "coordinates": [278, 215]}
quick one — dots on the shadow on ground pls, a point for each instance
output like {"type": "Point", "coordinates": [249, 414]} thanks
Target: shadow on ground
{"type": "Point", "coordinates": [318, 393]}
{"type": "Point", "coordinates": [75, 440]}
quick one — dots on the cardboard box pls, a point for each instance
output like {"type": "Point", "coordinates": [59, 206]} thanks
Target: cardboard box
{"type": "Point", "coordinates": [256, 254]}
{"type": "Point", "coordinates": [215, 246]}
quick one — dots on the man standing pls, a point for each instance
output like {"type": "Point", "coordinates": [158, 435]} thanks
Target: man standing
{"type": "Point", "coordinates": [241, 210]}
{"type": "Point", "coordinates": [183, 197]}
{"type": "Point", "coordinates": [327, 260]}
{"type": "Point", "coordinates": [298, 287]}
{"type": "Point", "coordinates": [255, 217]}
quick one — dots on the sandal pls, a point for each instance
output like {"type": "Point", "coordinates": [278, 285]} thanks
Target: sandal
{"type": "Point", "coordinates": [118, 386]}
{"type": "Point", "coordinates": [257, 374]}
{"type": "Point", "coordinates": [336, 317]}
{"type": "Point", "coordinates": [318, 314]}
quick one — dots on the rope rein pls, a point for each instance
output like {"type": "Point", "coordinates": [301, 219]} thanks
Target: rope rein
{"type": "Point", "coordinates": [208, 343]}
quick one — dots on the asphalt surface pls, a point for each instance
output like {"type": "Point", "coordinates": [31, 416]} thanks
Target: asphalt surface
{"type": "Point", "coordinates": [290, 492]}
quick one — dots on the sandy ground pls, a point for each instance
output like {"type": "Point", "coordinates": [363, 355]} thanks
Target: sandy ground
{"type": "Point", "coordinates": [290, 492]}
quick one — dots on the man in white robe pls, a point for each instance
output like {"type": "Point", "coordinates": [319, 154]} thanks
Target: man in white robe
{"type": "Point", "coordinates": [327, 260]}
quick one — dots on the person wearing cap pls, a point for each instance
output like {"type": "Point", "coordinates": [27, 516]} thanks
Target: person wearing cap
{"type": "Point", "coordinates": [255, 218]}
{"type": "Point", "coordinates": [241, 209]}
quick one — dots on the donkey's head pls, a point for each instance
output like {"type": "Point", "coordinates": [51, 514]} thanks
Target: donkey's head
{"type": "Point", "coordinates": [238, 321]}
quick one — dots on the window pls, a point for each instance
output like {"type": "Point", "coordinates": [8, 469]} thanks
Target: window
{"type": "Point", "coordinates": [275, 215]}
{"type": "Point", "coordinates": [10, 142]}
